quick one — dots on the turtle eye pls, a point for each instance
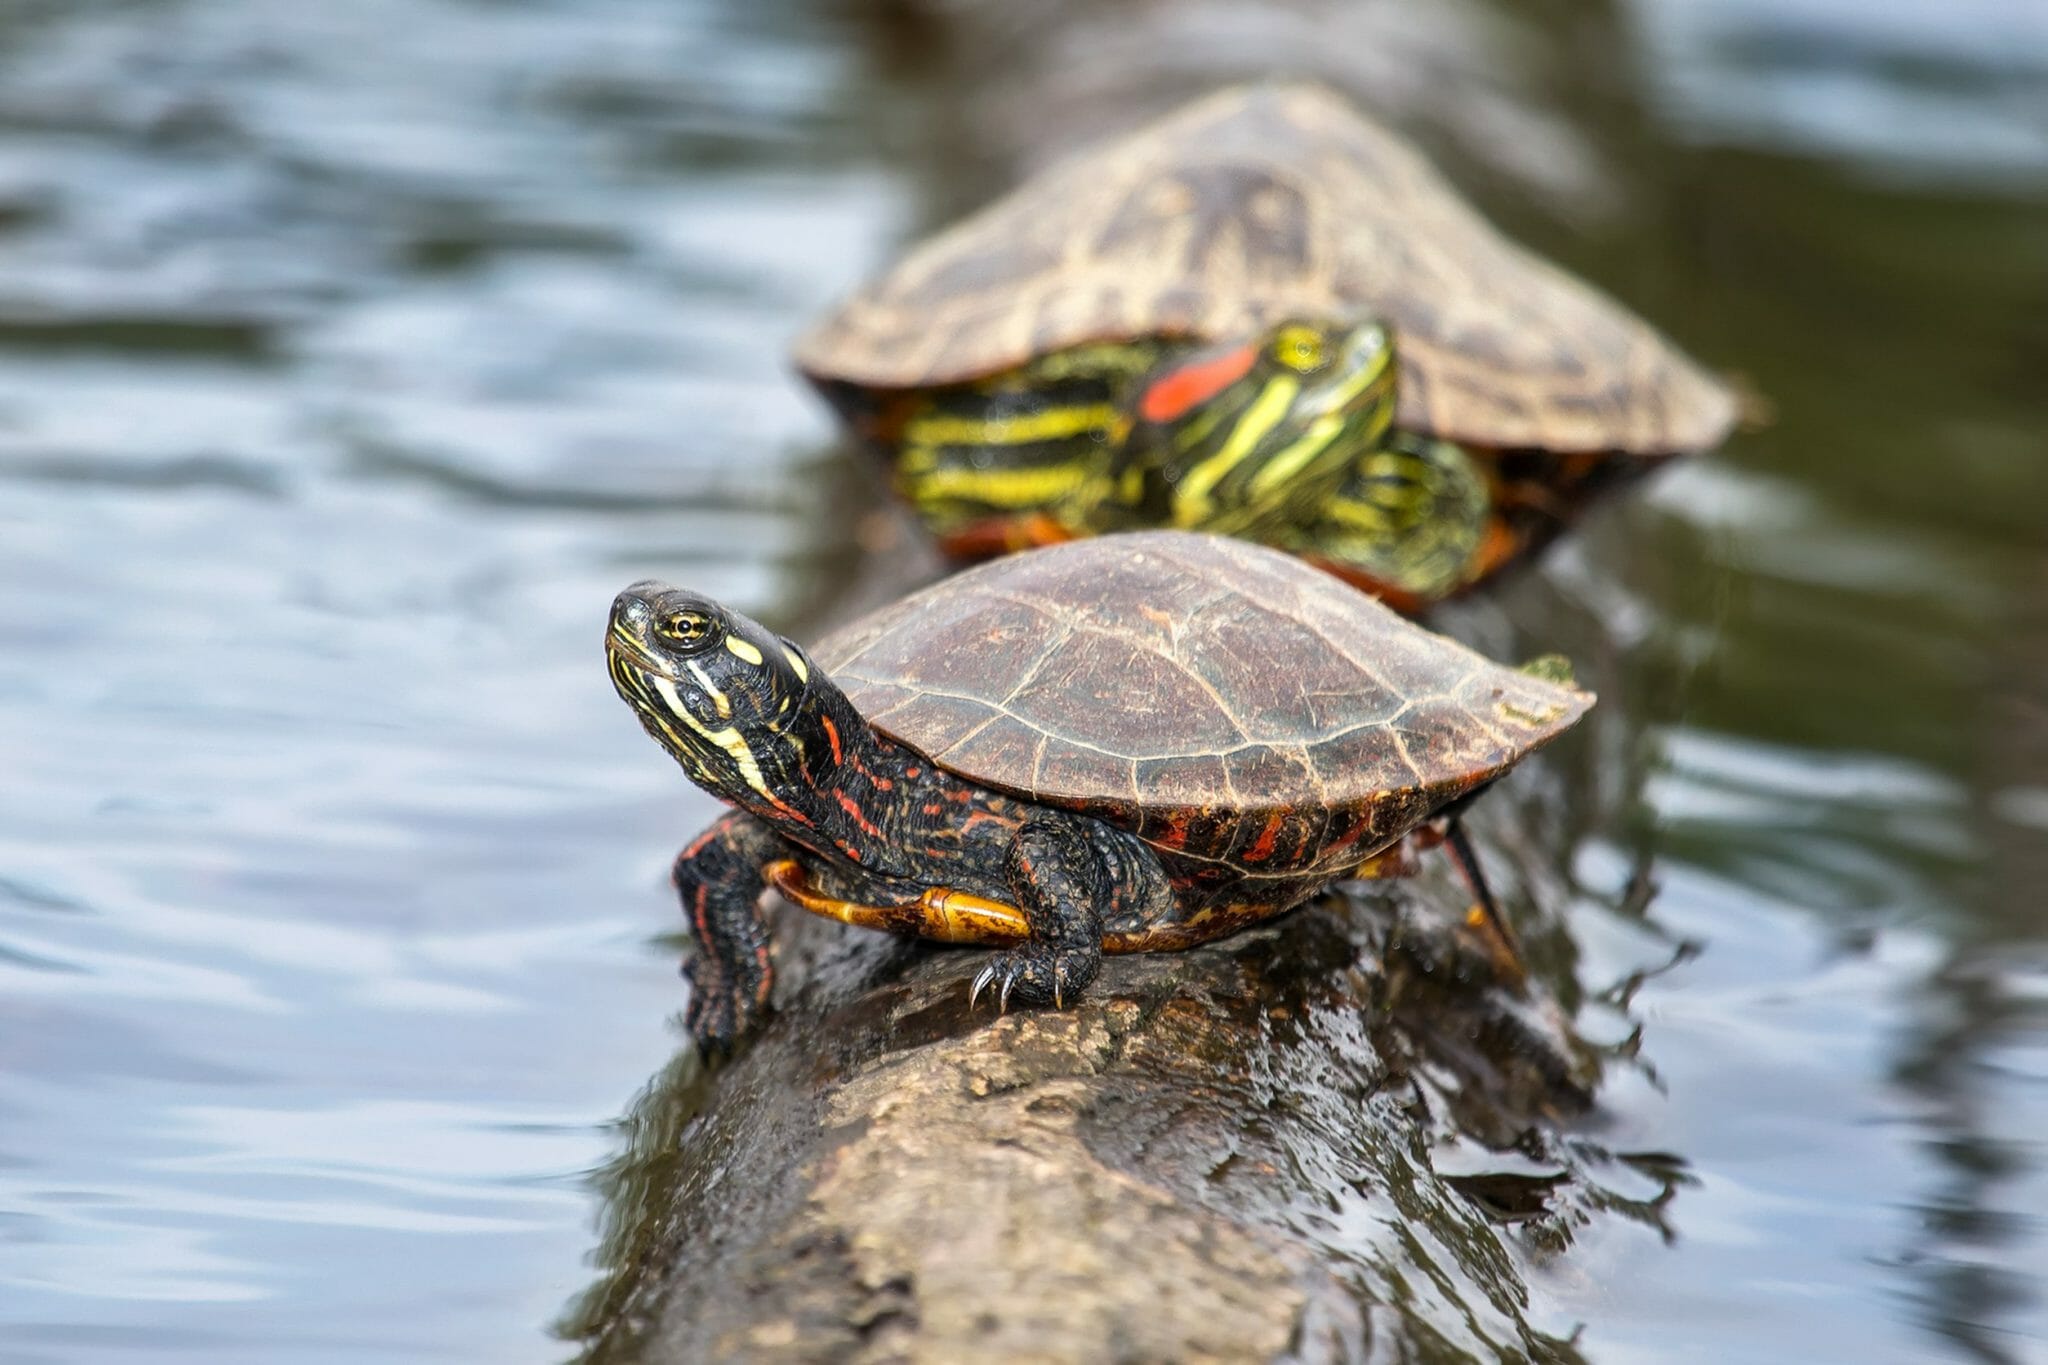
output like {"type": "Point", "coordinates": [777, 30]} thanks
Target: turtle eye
{"type": "Point", "coordinates": [688, 631]}
{"type": "Point", "coordinates": [1300, 349]}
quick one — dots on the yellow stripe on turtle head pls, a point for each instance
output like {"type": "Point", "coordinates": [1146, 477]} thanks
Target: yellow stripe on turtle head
{"type": "Point", "coordinates": [718, 698]}
{"type": "Point", "coordinates": [741, 649]}
{"type": "Point", "coordinates": [1191, 496]}
{"type": "Point", "coordinates": [1290, 461]}
{"type": "Point", "coordinates": [728, 739]}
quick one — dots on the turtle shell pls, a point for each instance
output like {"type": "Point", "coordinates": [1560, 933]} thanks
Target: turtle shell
{"type": "Point", "coordinates": [1262, 203]}
{"type": "Point", "coordinates": [1213, 696]}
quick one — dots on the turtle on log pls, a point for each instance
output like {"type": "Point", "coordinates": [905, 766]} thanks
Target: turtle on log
{"type": "Point", "coordinates": [1265, 316]}
{"type": "Point", "coordinates": [1126, 744]}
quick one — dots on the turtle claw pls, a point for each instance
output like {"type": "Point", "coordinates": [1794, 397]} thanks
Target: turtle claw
{"type": "Point", "coordinates": [1034, 976]}
{"type": "Point", "coordinates": [986, 975]}
{"type": "Point", "coordinates": [1003, 973]}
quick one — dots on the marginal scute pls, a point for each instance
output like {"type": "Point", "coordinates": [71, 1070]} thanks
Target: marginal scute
{"type": "Point", "coordinates": [1166, 679]}
{"type": "Point", "coordinates": [1264, 202]}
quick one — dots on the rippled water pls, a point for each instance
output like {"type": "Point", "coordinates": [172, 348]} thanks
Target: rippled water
{"type": "Point", "coordinates": [351, 356]}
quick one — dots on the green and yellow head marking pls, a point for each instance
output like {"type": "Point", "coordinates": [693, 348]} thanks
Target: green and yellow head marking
{"type": "Point", "coordinates": [1293, 408]}
{"type": "Point", "coordinates": [1243, 439]}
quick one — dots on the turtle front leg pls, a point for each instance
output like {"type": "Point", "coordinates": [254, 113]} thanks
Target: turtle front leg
{"type": "Point", "coordinates": [718, 878]}
{"type": "Point", "coordinates": [1068, 874]}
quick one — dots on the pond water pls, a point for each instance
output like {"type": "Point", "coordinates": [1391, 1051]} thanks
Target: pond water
{"type": "Point", "coordinates": [352, 356]}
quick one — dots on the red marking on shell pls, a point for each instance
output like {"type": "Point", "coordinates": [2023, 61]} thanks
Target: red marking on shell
{"type": "Point", "coordinates": [1349, 837]}
{"type": "Point", "coordinates": [1263, 849]}
{"type": "Point", "coordinates": [1173, 394]}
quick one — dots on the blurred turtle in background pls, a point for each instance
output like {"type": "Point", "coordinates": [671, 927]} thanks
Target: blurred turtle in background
{"type": "Point", "coordinates": [1264, 316]}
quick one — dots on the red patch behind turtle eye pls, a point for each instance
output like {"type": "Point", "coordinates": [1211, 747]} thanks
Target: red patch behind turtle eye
{"type": "Point", "coordinates": [1173, 393]}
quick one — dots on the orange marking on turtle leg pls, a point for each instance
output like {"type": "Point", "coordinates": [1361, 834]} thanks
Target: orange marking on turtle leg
{"type": "Point", "coordinates": [832, 736]}
{"type": "Point", "coordinates": [958, 917]}
{"type": "Point", "coordinates": [942, 914]}
{"type": "Point", "coordinates": [696, 845]}
{"type": "Point", "coordinates": [700, 914]}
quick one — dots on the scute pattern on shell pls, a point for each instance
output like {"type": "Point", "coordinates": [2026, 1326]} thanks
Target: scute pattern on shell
{"type": "Point", "coordinates": [1165, 679]}
{"type": "Point", "coordinates": [1265, 202]}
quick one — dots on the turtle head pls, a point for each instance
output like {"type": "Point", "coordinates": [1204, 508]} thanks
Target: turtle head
{"type": "Point", "coordinates": [726, 696]}
{"type": "Point", "coordinates": [1337, 369]}
{"type": "Point", "coordinates": [1245, 431]}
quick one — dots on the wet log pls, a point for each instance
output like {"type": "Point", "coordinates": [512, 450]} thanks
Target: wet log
{"type": "Point", "coordinates": [1339, 1137]}
{"type": "Point", "coordinates": [1014, 86]}
{"type": "Point", "coordinates": [1335, 1138]}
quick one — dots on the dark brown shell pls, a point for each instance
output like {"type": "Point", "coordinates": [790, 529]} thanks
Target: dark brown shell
{"type": "Point", "coordinates": [1257, 204]}
{"type": "Point", "coordinates": [1165, 678]}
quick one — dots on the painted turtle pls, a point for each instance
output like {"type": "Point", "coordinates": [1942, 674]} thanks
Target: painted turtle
{"type": "Point", "coordinates": [1132, 743]}
{"type": "Point", "coordinates": [1195, 326]}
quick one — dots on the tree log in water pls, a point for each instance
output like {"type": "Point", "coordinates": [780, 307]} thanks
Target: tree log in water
{"type": "Point", "coordinates": [1334, 1138]}
{"type": "Point", "coordinates": [1284, 1147]}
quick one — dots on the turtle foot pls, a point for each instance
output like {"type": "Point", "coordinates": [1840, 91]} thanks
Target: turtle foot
{"type": "Point", "coordinates": [1037, 974]}
{"type": "Point", "coordinates": [721, 1011]}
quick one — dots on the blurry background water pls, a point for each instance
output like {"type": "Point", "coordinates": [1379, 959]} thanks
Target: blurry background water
{"type": "Point", "coordinates": [351, 356]}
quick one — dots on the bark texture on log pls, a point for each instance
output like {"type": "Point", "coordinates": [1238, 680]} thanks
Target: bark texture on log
{"type": "Point", "coordinates": [1281, 1148]}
